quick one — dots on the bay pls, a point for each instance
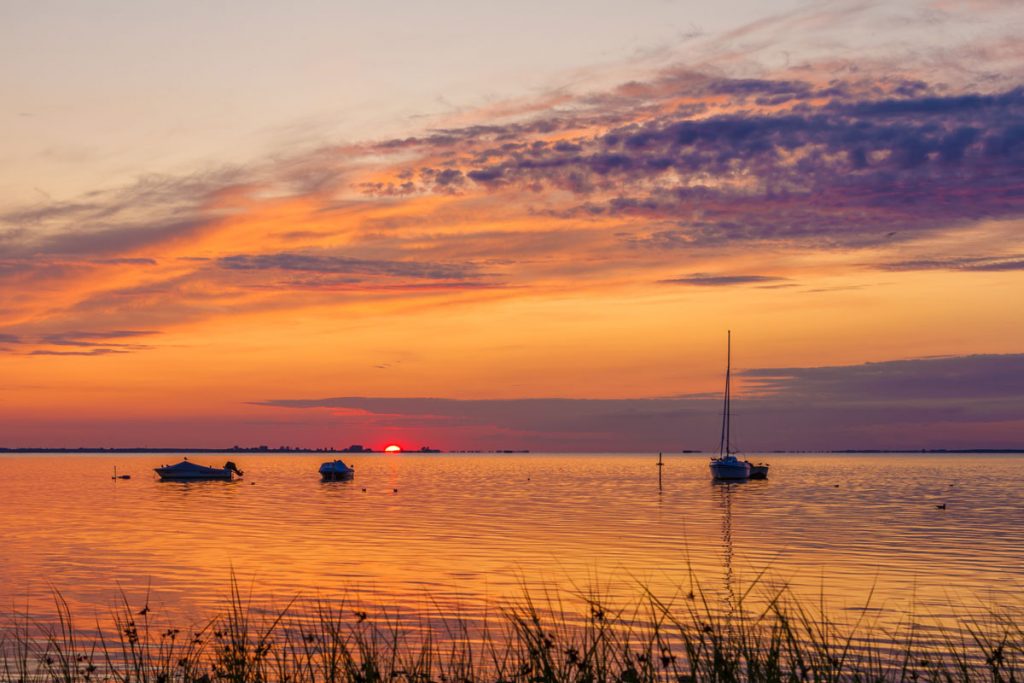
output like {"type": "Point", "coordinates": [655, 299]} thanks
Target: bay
{"type": "Point", "coordinates": [453, 533]}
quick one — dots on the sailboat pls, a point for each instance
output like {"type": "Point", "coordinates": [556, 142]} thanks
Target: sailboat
{"type": "Point", "coordinates": [727, 465]}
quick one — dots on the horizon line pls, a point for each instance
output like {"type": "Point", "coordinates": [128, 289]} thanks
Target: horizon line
{"type": "Point", "coordinates": [495, 451]}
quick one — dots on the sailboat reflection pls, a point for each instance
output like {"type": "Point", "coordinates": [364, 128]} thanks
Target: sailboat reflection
{"type": "Point", "coordinates": [726, 491]}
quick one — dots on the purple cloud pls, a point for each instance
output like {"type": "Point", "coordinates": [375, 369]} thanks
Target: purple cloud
{"type": "Point", "coordinates": [952, 378]}
{"type": "Point", "coordinates": [919, 403]}
{"type": "Point", "coordinates": [834, 166]}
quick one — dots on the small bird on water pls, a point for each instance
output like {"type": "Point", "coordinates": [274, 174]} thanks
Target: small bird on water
{"type": "Point", "coordinates": [941, 507]}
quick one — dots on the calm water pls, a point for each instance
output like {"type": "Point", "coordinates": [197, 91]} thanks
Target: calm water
{"type": "Point", "coordinates": [463, 530]}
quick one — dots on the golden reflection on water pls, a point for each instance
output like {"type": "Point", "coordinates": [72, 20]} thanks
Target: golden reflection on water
{"type": "Point", "coordinates": [464, 530]}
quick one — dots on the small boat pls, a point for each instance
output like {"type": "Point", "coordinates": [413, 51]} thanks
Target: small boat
{"type": "Point", "coordinates": [758, 471]}
{"type": "Point", "coordinates": [727, 466]}
{"type": "Point", "coordinates": [335, 470]}
{"type": "Point", "coordinates": [189, 471]}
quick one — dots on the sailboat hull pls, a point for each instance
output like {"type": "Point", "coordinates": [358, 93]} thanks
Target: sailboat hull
{"type": "Point", "coordinates": [729, 470]}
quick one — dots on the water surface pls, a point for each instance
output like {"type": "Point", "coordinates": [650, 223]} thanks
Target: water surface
{"type": "Point", "coordinates": [455, 532]}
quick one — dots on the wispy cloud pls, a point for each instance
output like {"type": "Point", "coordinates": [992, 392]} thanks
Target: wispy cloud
{"type": "Point", "coordinates": [151, 212]}
{"type": "Point", "coordinates": [91, 342]}
{"type": "Point", "coordinates": [966, 263]}
{"type": "Point", "coordinates": [338, 264]}
{"type": "Point", "coordinates": [141, 261]}
{"type": "Point", "coordinates": [90, 352]}
{"type": "Point", "coordinates": [707, 280]}
{"type": "Point", "coordinates": [95, 338]}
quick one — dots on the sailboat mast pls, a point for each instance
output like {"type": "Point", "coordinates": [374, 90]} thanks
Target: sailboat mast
{"type": "Point", "coordinates": [723, 447]}
{"type": "Point", "coordinates": [728, 390]}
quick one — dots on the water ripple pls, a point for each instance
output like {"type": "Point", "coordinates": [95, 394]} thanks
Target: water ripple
{"type": "Point", "coordinates": [465, 528]}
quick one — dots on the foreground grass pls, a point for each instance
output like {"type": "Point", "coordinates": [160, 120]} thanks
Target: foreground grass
{"type": "Point", "coordinates": [690, 637]}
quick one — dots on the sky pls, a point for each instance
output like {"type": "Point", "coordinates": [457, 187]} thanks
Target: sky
{"type": "Point", "coordinates": [512, 225]}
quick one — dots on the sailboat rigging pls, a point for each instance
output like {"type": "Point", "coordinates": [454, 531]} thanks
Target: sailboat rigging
{"type": "Point", "coordinates": [727, 466]}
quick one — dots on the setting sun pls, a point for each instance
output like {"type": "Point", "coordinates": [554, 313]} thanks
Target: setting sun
{"type": "Point", "coordinates": [393, 449]}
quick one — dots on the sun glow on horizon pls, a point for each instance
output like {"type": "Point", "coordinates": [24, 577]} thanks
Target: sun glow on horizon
{"type": "Point", "coordinates": [393, 448]}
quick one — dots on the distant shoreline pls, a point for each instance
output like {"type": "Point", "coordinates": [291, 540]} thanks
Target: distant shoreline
{"type": "Point", "coordinates": [239, 449]}
{"type": "Point", "coordinates": [89, 449]}
{"type": "Point", "coordinates": [288, 449]}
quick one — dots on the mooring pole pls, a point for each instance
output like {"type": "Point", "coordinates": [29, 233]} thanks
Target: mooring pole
{"type": "Point", "coordinates": [660, 466]}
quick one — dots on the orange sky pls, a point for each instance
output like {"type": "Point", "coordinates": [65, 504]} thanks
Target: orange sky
{"type": "Point", "coordinates": [593, 245]}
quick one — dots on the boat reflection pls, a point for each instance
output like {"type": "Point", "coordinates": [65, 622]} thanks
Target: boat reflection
{"type": "Point", "coordinates": [726, 490]}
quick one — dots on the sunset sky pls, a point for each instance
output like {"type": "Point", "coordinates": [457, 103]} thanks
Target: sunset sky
{"type": "Point", "coordinates": [518, 225]}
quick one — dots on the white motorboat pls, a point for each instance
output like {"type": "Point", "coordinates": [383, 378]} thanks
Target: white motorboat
{"type": "Point", "coordinates": [189, 471]}
{"type": "Point", "coordinates": [727, 465]}
{"type": "Point", "coordinates": [335, 470]}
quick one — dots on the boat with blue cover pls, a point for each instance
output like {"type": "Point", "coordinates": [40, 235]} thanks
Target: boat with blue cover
{"type": "Point", "coordinates": [335, 470]}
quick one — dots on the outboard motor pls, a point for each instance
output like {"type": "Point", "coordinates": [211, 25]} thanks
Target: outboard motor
{"type": "Point", "coordinates": [229, 465]}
